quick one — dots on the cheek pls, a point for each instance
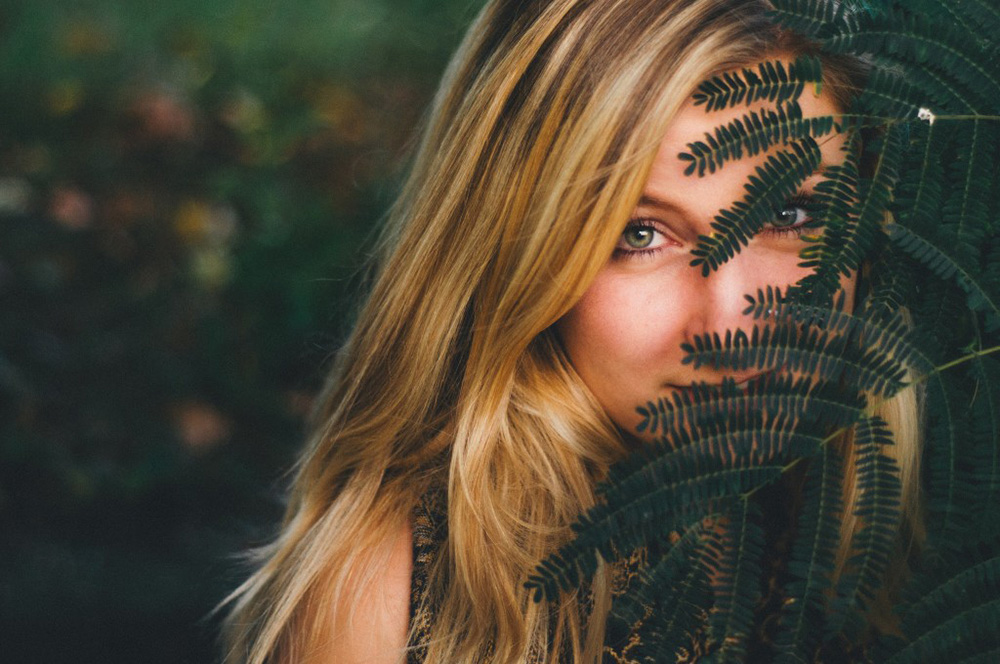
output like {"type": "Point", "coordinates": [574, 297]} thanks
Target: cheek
{"type": "Point", "coordinates": [623, 339]}
{"type": "Point", "coordinates": [618, 323]}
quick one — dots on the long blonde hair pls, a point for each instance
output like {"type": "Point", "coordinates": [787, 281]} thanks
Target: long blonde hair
{"type": "Point", "coordinates": [537, 148]}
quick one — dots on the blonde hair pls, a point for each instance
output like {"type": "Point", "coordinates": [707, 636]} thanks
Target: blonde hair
{"type": "Point", "coordinates": [537, 148]}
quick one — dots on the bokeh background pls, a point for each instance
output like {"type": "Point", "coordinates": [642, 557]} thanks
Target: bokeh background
{"type": "Point", "coordinates": [188, 189]}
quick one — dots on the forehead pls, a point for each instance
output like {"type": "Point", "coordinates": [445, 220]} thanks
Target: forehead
{"type": "Point", "coordinates": [692, 123]}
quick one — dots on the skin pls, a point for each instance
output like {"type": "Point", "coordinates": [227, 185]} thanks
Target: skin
{"type": "Point", "coordinates": [376, 633]}
{"type": "Point", "coordinates": [624, 335]}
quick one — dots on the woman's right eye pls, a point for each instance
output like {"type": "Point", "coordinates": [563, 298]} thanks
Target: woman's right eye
{"type": "Point", "coordinates": [639, 238]}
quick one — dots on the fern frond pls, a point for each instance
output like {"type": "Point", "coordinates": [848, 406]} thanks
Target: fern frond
{"type": "Point", "coordinates": [892, 289]}
{"type": "Point", "coordinates": [950, 13]}
{"type": "Point", "coordinates": [752, 134]}
{"type": "Point", "coordinates": [920, 194]}
{"type": "Point", "coordinates": [942, 316]}
{"type": "Point", "coordinates": [772, 392]}
{"type": "Point", "coordinates": [978, 20]}
{"type": "Point", "coordinates": [671, 488]}
{"type": "Point", "coordinates": [878, 509]}
{"type": "Point", "coordinates": [952, 611]}
{"type": "Point", "coordinates": [767, 191]}
{"type": "Point", "coordinates": [985, 443]}
{"type": "Point", "coordinates": [913, 40]}
{"type": "Point", "coordinates": [738, 553]}
{"type": "Point", "coordinates": [948, 483]}
{"type": "Point", "coordinates": [646, 589]}
{"type": "Point", "coordinates": [950, 95]}
{"type": "Point", "coordinates": [984, 15]}
{"type": "Point", "coordinates": [771, 82]}
{"type": "Point", "coordinates": [979, 296]}
{"type": "Point", "coordinates": [837, 208]}
{"type": "Point", "coordinates": [812, 559]}
{"type": "Point", "coordinates": [890, 94]}
{"type": "Point", "coordinates": [848, 241]}
{"type": "Point", "coordinates": [891, 334]}
{"type": "Point", "coordinates": [969, 181]}
{"type": "Point", "coordinates": [805, 351]}
{"type": "Point", "coordinates": [679, 615]}
{"type": "Point", "coordinates": [960, 636]}
{"type": "Point", "coordinates": [813, 18]}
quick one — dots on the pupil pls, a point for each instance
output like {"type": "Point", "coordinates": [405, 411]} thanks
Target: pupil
{"type": "Point", "coordinates": [638, 238]}
{"type": "Point", "coordinates": [786, 217]}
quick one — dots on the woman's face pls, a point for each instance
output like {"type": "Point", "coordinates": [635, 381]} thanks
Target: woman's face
{"type": "Point", "coordinates": [624, 335]}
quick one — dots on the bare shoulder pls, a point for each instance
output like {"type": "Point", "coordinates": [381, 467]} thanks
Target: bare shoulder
{"type": "Point", "coordinates": [377, 630]}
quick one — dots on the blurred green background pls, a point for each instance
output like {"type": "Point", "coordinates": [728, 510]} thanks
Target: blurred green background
{"type": "Point", "coordinates": [187, 192]}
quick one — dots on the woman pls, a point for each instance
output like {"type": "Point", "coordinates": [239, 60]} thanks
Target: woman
{"type": "Point", "coordinates": [533, 289]}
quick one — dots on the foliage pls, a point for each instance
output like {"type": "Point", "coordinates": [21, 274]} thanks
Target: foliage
{"type": "Point", "coordinates": [927, 319]}
{"type": "Point", "coordinates": [186, 190]}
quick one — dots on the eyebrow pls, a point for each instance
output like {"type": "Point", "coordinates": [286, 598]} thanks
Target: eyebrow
{"type": "Point", "coordinates": [651, 200]}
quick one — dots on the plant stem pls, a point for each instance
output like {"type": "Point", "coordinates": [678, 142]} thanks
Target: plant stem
{"type": "Point", "coordinates": [965, 358]}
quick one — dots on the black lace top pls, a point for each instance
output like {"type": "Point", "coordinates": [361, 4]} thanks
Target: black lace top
{"type": "Point", "coordinates": [430, 533]}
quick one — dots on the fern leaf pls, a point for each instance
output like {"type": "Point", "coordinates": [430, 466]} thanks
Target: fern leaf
{"type": "Point", "coordinates": [942, 316]}
{"type": "Point", "coordinates": [812, 560]}
{"type": "Point", "coordinates": [878, 509]}
{"type": "Point", "coordinates": [920, 194]}
{"type": "Point", "coordinates": [677, 618]}
{"type": "Point", "coordinates": [951, 95]}
{"type": "Point", "coordinates": [737, 568]}
{"type": "Point", "coordinates": [952, 609]}
{"type": "Point", "coordinates": [891, 334]}
{"type": "Point", "coordinates": [672, 488]}
{"type": "Point", "coordinates": [752, 134]}
{"type": "Point", "coordinates": [956, 637]}
{"type": "Point", "coordinates": [654, 510]}
{"type": "Point", "coordinates": [915, 41]}
{"type": "Point", "coordinates": [948, 484]}
{"type": "Point", "coordinates": [985, 453]}
{"type": "Point", "coordinates": [772, 392]}
{"type": "Point", "coordinates": [805, 351]}
{"type": "Point", "coordinates": [969, 182]}
{"type": "Point", "coordinates": [848, 242]}
{"type": "Point", "coordinates": [647, 588]}
{"type": "Point", "coordinates": [770, 82]}
{"type": "Point", "coordinates": [892, 94]}
{"type": "Point", "coordinates": [813, 18]}
{"type": "Point", "coordinates": [948, 13]}
{"type": "Point", "coordinates": [893, 287]}
{"type": "Point", "coordinates": [979, 297]}
{"type": "Point", "coordinates": [767, 191]}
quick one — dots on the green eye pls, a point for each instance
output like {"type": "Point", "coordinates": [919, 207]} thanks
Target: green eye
{"type": "Point", "coordinates": [638, 237]}
{"type": "Point", "coordinates": [788, 216]}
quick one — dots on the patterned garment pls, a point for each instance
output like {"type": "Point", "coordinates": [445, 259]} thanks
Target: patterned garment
{"type": "Point", "coordinates": [430, 533]}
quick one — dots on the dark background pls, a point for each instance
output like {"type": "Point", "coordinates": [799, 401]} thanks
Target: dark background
{"type": "Point", "coordinates": [187, 191]}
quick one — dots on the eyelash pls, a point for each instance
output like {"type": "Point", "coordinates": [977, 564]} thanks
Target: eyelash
{"type": "Point", "coordinates": [638, 254]}
{"type": "Point", "coordinates": [801, 199]}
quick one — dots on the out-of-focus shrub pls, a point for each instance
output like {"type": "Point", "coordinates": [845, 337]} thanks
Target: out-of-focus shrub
{"type": "Point", "coordinates": [186, 192]}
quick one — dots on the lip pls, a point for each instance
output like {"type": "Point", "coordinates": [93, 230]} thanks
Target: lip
{"type": "Point", "coordinates": [741, 384]}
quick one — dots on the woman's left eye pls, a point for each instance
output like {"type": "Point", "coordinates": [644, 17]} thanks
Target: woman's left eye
{"type": "Point", "coordinates": [793, 217]}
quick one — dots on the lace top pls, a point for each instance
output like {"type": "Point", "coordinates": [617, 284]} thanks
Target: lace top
{"type": "Point", "coordinates": [430, 533]}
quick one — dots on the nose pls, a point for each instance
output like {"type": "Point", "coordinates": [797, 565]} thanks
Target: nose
{"type": "Point", "coordinates": [717, 305]}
